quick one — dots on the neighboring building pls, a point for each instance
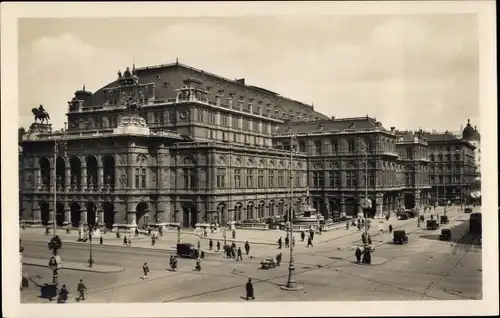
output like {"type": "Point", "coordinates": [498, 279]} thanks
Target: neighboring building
{"type": "Point", "coordinates": [452, 168]}
{"type": "Point", "coordinates": [209, 149]}
{"type": "Point", "coordinates": [338, 150]}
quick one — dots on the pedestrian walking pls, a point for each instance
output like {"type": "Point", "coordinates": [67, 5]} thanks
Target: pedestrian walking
{"type": "Point", "coordinates": [390, 228]}
{"type": "Point", "coordinates": [124, 239]}
{"type": "Point", "coordinates": [136, 232]}
{"type": "Point", "coordinates": [358, 255]}
{"type": "Point", "coordinates": [347, 225]}
{"type": "Point", "coordinates": [129, 241]}
{"type": "Point", "coordinates": [160, 230]}
{"type": "Point", "coordinates": [199, 244]}
{"type": "Point", "coordinates": [320, 230]}
{"type": "Point", "coordinates": [81, 288]}
{"type": "Point", "coordinates": [205, 232]}
{"type": "Point", "coordinates": [279, 243]}
{"type": "Point", "coordinates": [234, 234]}
{"type": "Point", "coordinates": [311, 234]}
{"type": "Point", "coordinates": [117, 234]}
{"type": "Point", "coordinates": [309, 242]}
{"type": "Point", "coordinates": [293, 241]}
{"type": "Point", "coordinates": [302, 235]}
{"type": "Point", "coordinates": [47, 231]}
{"type": "Point", "coordinates": [63, 295]}
{"type": "Point", "coordinates": [100, 240]}
{"type": "Point", "coordinates": [227, 249]}
{"type": "Point", "coordinates": [218, 246]}
{"type": "Point", "coordinates": [210, 245]}
{"type": "Point", "coordinates": [249, 289]}
{"type": "Point", "coordinates": [239, 257]}
{"type": "Point", "coordinates": [153, 240]}
{"type": "Point", "coordinates": [287, 242]}
{"type": "Point", "coordinates": [363, 238]}
{"type": "Point", "coordinates": [247, 247]}
{"type": "Point", "coordinates": [278, 259]}
{"type": "Point", "coordinates": [145, 270]}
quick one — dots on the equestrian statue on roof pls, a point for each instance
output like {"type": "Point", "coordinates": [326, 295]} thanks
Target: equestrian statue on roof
{"type": "Point", "coordinates": [40, 113]}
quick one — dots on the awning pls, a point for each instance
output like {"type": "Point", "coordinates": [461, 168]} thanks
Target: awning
{"type": "Point", "coordinates": [475, 194]}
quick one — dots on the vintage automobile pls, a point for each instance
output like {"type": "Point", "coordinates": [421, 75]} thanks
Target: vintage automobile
{"type": "Point", "coordinates": [444, 219]}
{"type": "Point", "coordinates": [432, 225]}
{"type": "Point", "coordinates": [445, 235]}
{"type": "Point", "coordinates": [400, 237]}
{"type": "Point", "coordinates": [411, 212]}
{"type": "Point", "coordinates": [403, 216]}
{"type": "Point", "coordinates": [268, 263]}
{"type": "Point", "coordinates": [187, 250]}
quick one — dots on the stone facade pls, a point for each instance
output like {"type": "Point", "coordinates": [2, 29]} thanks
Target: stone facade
{"type": "Point", "coordinates": [209, 149]}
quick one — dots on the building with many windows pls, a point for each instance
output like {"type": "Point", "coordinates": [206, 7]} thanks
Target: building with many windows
{"type": "Point", "coordinates": [173, 144]}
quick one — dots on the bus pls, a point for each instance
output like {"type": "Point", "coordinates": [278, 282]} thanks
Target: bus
{"type": "Point", "coordinates": [475, 223]}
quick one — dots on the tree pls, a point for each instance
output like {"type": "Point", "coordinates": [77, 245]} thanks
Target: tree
{"type": "Point", "coordinates": [55, 244]}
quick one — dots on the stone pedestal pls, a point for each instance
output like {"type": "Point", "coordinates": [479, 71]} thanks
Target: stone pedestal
{"type": "Point", "coordinates": [132, 125]}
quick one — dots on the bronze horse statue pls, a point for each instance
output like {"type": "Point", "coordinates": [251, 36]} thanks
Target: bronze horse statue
{"type": "Point", "coordinates": [41, 114]}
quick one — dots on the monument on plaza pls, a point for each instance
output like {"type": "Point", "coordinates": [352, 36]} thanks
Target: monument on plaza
{"type": "Point", "coordinates": [308, 215]}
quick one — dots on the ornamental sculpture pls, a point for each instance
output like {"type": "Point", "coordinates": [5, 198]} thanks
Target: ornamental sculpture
{"type": "Point", "coordinates": [40, 113]}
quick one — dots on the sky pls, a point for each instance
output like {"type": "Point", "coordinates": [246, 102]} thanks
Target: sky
{"type": "Point", "coordinates": [408, 71]}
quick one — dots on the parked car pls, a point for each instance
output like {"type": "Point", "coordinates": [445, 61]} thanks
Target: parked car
{"type": "Point", "coordinates": [445, 235]}
{"type": "Point", "coordinates": [444, 219]}
{"type": "Point", "coordinates": [432, 225]}
{"type": "Point", "coordinates": [403, 216]}
{"type": "Point", "coordinates": [400, 237]}
{"type": "Point", "coordinates": [187, 250]}
{"type": "Point", "coordinates": [268, 263]}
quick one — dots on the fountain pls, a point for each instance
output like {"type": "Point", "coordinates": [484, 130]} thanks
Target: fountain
{"type": "Point", "coordinates": [308, 215]}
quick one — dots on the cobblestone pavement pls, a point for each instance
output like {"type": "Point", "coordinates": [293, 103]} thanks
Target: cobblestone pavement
{"type": "Point", "coordinates": [425, 268]}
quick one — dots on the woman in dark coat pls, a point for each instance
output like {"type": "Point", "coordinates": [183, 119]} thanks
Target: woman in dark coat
{"type": "Point", "coordinates": [249, 288]}
{"type": "Point", "coordinates": [63, 295]}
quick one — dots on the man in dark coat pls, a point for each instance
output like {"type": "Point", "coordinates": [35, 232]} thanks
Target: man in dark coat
{"type": "Point", "coordinates": [249, 289]}
{"type": "Point", "coordinates": [81, 290]}
{"type": "Point", "coordinates": [218, 246]}
{"type": "Point", "coordinates": [239, 257]}
{"type": "Point", "coordinates": [210, 245]}
{"type": "Point", "coordinates": [100, 240]}
{"type": "Point", "coordinates": [390, 228]}
{"type": "Point", "coordinates": [278, 259]}
{"type": "Point", "coordinates": [279, 243]}
{"type": "Point", "coordinates": [287, 242]}
{"type": "Point", "coordinates": [247, 247]}
{"type": "Point", "coordinates": [358, 255]}
{"type": "Point", "coordinates": [302, 235]}
{"type": "Point", "coordinates": [309, 241]}
{"type": "Point", "coordinates": [124, 240]}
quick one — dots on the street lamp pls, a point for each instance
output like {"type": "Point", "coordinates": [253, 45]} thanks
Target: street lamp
{"type": "Point", "coordinates": [63, 143]}
{"type": "Point", "coordinates": [91, 229]}
{"type": "Point", "coordinates": [417, 206]}
{"type": "Point", "coordinates": [291, 284]}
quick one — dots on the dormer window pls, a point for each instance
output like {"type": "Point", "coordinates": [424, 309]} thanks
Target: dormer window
{"type": "Point", "coordinates": [352, 126]}
{"type": "Point", "coordinates": [320, 127]}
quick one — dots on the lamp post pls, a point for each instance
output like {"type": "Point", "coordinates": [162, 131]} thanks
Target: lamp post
{"type": "Point", "coordinates": [417, 206]}
{"type": "Point", "coordinates": [366, 194]}
{"type": "Point", "coordinates": [444, 190]}
{"type": "Point", "coordinates": [58, 142]}
{"type": "Point", "coordinates": [91, 229]}
{"type": "Point", "coordinates": [291, 284]}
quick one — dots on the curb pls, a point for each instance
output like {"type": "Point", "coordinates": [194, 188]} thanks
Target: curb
{"type": "Point", "coordinates": [89, 269]}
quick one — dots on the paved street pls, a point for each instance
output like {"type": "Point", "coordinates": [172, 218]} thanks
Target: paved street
{"type": "Point", "coordinates": [425, 268]}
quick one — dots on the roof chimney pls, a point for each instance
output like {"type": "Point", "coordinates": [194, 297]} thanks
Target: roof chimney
{"type": "Point", "coordinates": [241, 81]}
{"type": "Point", "coordinates": [333, 117]}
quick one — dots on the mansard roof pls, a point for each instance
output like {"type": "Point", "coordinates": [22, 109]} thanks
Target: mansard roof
{"type": "Point", "coordinates": [335, 124]}
{"type": "Point", "coordinates": [170, 77]}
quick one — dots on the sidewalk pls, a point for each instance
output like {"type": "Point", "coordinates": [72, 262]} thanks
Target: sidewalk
{"type": "Point", "coordinates": [96, 268]}
{"type": "Point", "coordinates": [261, 237]}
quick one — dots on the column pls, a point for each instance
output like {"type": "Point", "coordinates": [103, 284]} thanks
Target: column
{"type": "Point", "coordinates": [100, 174]}
{"type": "Point", "coordinates": [37, 174]}
{"type": "Point", "coordinates": [379, 205]}
{"type": "Point", "coordinates": [342, 203]}
{"type": "Point", "coordinates": [37, 214]}
{"type": "Point", "coordinates": [84, 176]}
{"type": "Point", "coordinates": [67, 214]}
{"type": "Point", "coordinates": [52, 211]}
{"type": "Point", "coordinates": [100, 216]}
{"type": "Point", "coordinates": [417, 198]}
{"type": "Point", "coordinates": [83, 214]}
{"type": "Point", "coordinates": [67, 175]}
{"type": "Point", "coordinates": [131, 215]}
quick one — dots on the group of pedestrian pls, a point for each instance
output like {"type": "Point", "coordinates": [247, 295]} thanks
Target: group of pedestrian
{"type": "Point", "coordinates": [127, 241]}
{"type": "Point", "coordinates": [235, 252]}
{"type": "Point", "coordinates": [63, 292]}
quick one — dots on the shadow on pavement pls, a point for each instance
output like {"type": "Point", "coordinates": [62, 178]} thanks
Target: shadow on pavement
{"type": "Point", "coordinates": [459, 233]}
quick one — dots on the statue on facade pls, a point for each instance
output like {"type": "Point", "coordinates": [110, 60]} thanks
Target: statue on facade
{"type": "Point", "coordinates": [108, 179]}
{"type": "Point", "coordinates": [127, 72]}
{"type": "Point", "coordinates": [74, 181]}
{"type": "Point", "coordinates": [40, 113]}
{"type": "Point", "coordinates": [119, 74]}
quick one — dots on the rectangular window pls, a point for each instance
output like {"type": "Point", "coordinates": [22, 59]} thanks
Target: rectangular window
{"type": "Point", "coordinates": [281, 180]}
{"type": "Point", "coordinates": [318, 148]}
{"type": "Point", "coordinates": [318, 179]}
{"type": "Point", "coordinates": [371, 179]}
{"type": "Point", "coordinates": [221, 178]}
{"type": "Point", "coordinates": [270, 177]}
{"type": "Point", "coordinates": [143, 178]}
{"type": "Point", "coordinates": [237, 178]}
{"type": "Point", "coordinates": [249, 178]}
{"type": "Point", "coordinates": [260, 179]}
{"type": "Point", "coordinates": [350, 145]}
{"type": "Point", "coordinates": [351, 179]}
{"type": "Point", "coordinates": [297, 179]}
{"type": "Point", "coordinates": [331, 179]}
{"type": "Point", "coordinates": [137, 178]}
